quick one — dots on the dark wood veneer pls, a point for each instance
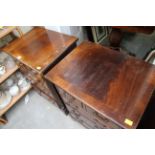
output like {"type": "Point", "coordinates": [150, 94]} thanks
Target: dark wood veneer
{"type": "Point", "coordinates": [112, 83]}
{"type": "Point", "coordinates": [40, 48]}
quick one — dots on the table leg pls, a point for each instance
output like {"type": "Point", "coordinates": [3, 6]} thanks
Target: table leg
{"type": "Point", "coordinates": [57, 97]}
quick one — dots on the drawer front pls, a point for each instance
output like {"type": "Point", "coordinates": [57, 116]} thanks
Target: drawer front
{"type": "Point", "coordinates": [89, 120]}
{"type": "Point", "coordinates": [36, 80]}
{"type": "Point", "coordinates": [30, 74]}
{"type": "Point", "coordinates": [82, 120]}
{"type": "Point", "coordinates": [100, 119]}
{"type": "Point", "coordinates": [82, 113]}
{"type": "Point", "coordinates": [41, 85]}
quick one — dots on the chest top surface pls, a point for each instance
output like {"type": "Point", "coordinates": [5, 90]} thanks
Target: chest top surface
{"type": "Point", "coordinates": [114, 84]}
{"type": "Point", "coordinates": [39, 47]}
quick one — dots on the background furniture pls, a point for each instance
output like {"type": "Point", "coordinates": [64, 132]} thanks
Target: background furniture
{"type": "Point", "coordinates": [37, 52]}
{"type": "Point", "coordinates": [3, 32]}
{"type": "Point", "coordinates": [116, 34]}
{"type": "Point", "coordinates": [103, 88]}
{"type": "Point", "coordinates": [97, 33]}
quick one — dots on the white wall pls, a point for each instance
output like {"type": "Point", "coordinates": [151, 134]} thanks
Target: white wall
{"type": "Point", "coordinates": [54, 28]}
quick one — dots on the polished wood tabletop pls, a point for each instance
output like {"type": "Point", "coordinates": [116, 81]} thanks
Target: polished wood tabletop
{"type": "Point", "coordinates": [40, 47]}
{"type": "Point", "coordinates": [112, 83]}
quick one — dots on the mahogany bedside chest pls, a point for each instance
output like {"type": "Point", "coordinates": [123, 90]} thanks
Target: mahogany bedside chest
{"type": "Point", "coordinates": [37, 52]}
{"type": "Point", "coordinates": [103, 88]}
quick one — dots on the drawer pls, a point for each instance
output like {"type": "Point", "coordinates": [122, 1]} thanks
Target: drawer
{"type": "Point", "coordinates": [30, 74]}
{"type": "Point", "coordinates": [87, 122]}
{"type": "Point", "coordinates": [41, 85]}
{"type": "Point", "coordinates": [36, 80]}
{"type": "Point", "coordinates": [97, 117]}
{"type": "Point", "coordinates": [81, 119]}
{"type": "Point", "coordinates": [80, 110]}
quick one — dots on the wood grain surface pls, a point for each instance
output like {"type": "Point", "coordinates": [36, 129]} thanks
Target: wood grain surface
{"type": "Point", "coordinates": [112, 83]}
{"type": "Point", "coordinates": [40, 47]}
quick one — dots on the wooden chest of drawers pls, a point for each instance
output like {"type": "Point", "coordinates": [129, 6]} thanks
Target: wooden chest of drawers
{"type": "Point", "coordinates": [37, 52]}
{"type": "Point", "coordinates": [104, 88]}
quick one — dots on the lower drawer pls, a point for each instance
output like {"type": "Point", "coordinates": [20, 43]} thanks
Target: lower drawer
{"type": "Point", "coordinates": [83, 113]}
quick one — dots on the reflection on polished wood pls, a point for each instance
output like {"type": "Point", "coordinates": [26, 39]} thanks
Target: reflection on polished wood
{"type": "Point", "coordinates": [112, 83]}
{"type": "Point", "coordinates": [40, 47]}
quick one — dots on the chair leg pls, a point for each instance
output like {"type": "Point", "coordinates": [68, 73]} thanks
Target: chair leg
{"type": "Point", "coordinates": [3, 120]}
